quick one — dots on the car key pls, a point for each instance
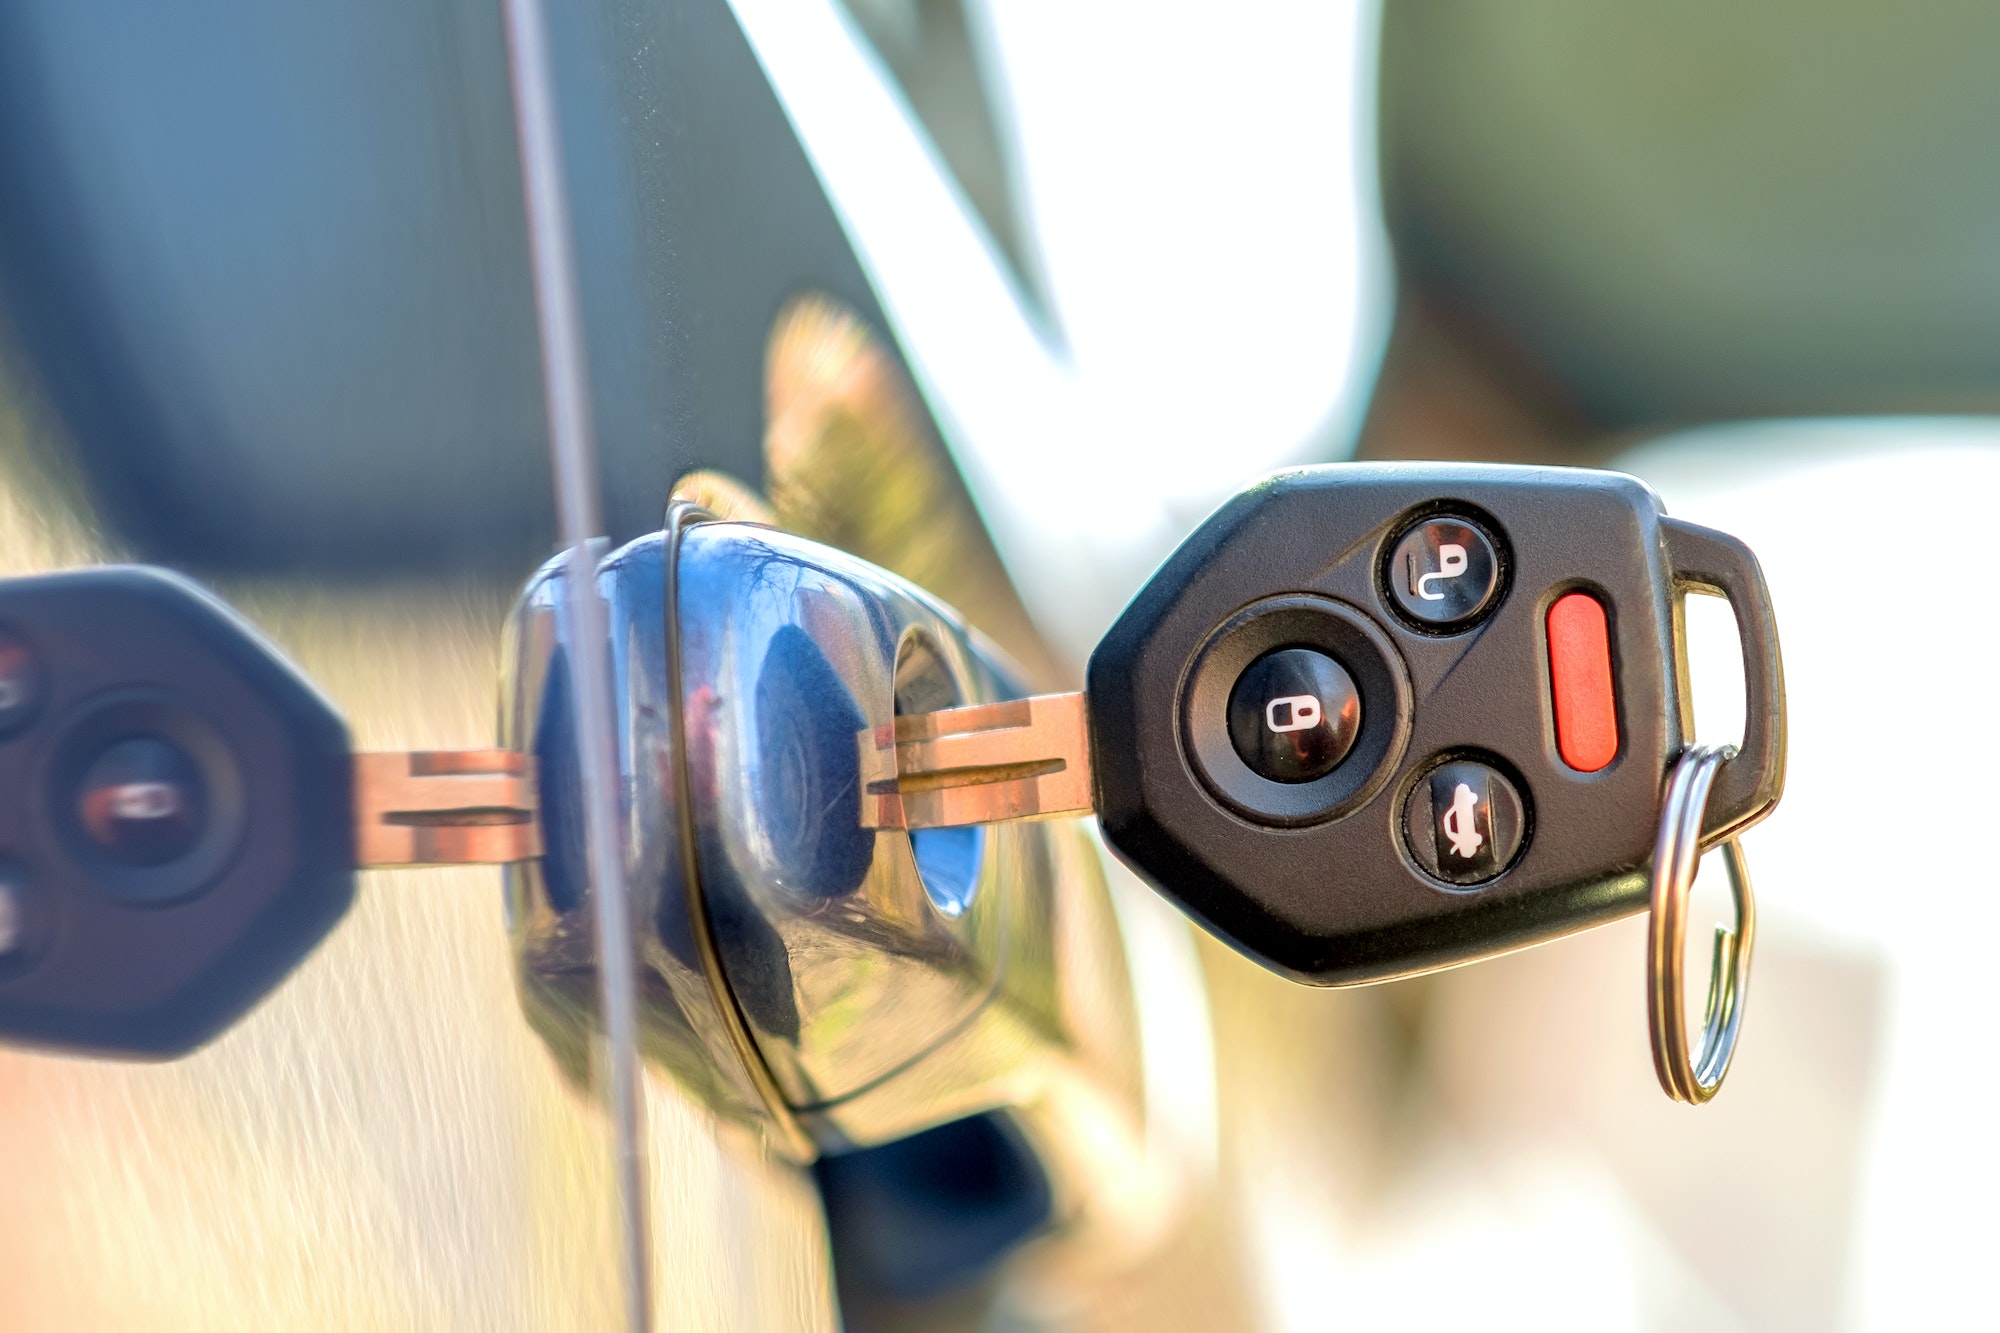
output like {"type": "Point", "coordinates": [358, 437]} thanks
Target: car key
{"type": "Point", "coordinates": [180, 815]}
{"type": "Point", "coordinates": [1368, 721]}
{"type": "Point", "coordinates": [1373, 720]}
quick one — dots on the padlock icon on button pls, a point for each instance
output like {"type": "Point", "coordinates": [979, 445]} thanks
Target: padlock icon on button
{"type": "Point", "coordinates": [1299, 711]}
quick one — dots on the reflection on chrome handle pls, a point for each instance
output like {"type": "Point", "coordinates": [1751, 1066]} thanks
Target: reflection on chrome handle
{"type": "Point", "coordinates": [888, 981]}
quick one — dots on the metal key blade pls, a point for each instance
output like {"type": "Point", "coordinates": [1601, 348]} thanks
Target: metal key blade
{"type": "Point", "coordinates": [982, 764]}
{"type": "Point", "coordinates": [444, 807]}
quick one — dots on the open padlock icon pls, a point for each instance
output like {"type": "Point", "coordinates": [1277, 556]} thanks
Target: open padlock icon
{"type": "Point", "coordinates": [1451, 564]}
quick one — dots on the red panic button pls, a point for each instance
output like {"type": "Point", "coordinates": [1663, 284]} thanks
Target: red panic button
{"type": "Point", "coordinates": [1580, 681]}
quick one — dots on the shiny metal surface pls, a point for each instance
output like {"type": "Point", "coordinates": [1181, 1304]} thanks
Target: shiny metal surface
{"type": "Point", "coordinates": [444, 807]}
{"type": "Point", "coordinates": [790, 651]}
{"type": "Point", "coordinates": [1695, 1078]}
{"type": "Point", "coordinates": [683, 820]}
{"type": "Point", "coordinates": [891, 981]}
{"type": "Point", "coordinates": [979, 764]}
{"type": "Point", "coordinates": [548, 902]}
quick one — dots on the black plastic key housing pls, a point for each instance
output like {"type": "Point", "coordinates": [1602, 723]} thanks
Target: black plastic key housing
{"type": "Point", "coordinates": [1319, 880]}
{"type": "Point", "coordinates": [176, 814]}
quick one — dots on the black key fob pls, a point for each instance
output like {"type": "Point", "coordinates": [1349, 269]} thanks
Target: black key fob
{"type": "Point", "coordinates": [1373, 720]}
{"type": "Point", "coordinates": [176, 815]}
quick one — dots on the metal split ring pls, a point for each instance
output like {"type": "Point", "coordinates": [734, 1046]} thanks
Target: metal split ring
{"type": "Point", "coordinates": [1676, 858]}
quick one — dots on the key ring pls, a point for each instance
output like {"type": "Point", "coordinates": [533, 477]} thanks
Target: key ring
{"type": "Point", "coordinates": [1676, 858]}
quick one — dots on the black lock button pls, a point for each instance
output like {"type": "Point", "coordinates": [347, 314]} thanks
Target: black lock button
{"type": "Point", "coordinates": [150, 800]}
{"type": "Point", "coordinates": [177, 817]}
{"type": "Point", "coordinates": [1444, 574]}
{"type": "Point", "coordinates": [1464, 822]}
{"type": "Point", "coordinates": [1294, 714]}
{"type": "Point", "coordinates": [142, 801]}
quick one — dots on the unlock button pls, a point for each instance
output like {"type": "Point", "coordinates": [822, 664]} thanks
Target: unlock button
{"type": "Point", "coordinates": [1443, 574]}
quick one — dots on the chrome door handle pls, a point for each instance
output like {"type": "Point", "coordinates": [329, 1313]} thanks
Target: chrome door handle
{"type": "Point", "coordinates": [806, 972]}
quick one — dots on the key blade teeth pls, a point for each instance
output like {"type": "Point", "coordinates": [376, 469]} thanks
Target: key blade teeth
{"type": "Point", "coordinates": [982, 764]}
{"type": "Point", "coordinates": [444, 807]}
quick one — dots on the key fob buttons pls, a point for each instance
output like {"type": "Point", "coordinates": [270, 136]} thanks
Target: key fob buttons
{"type": "Point", "coordinates": [1444, 574]}
{"type": "Point", "coordinates": [1465, 821]}
{"type": "Point", "coordinates": [1326, 649]}
{"type": "Point", "coordinates": [142, 801]}
{"type": "Point", "coordinates": [1570, 708]}
{"type": "Point", "coordinates": [1294, 715]}
{"type": "Point", "coordinates": [148, 799]}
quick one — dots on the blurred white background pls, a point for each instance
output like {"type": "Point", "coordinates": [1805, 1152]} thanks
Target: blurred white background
{"type": "Point", "coordinates": [1200, 199]}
